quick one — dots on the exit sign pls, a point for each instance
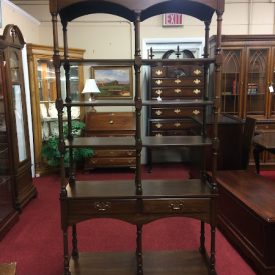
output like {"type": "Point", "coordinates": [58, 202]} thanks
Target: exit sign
{"type": "Point", "coordinates": [172, 19]}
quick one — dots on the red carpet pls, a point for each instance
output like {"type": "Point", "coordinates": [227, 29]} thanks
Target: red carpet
{"type": "Point", "coordinates": [35, 242]}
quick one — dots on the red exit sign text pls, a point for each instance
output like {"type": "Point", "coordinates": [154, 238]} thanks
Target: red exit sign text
{"type": "Point", "coordinates": [172, 19]}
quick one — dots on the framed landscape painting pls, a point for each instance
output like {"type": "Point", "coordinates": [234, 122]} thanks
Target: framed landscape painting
{"type": "Point", "coordinates": [114, 82]}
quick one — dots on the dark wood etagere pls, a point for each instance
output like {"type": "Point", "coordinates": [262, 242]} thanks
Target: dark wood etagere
{"type": "Point", "coordinates": [138, 201]}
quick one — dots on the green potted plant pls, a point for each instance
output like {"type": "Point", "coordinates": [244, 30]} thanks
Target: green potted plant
{"type": "Point", "coordinates": [51, 154]}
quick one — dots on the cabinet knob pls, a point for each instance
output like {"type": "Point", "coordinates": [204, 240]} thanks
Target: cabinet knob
{"type": "Point", "coordinates": [177, 81]}
{"type": "Point", "coordinates": [158, 135]}
{"type": "Point", "coordinates": [158, 112]}
{"type": "Point", "coordinates": [158, 92]}
{"type": "Point", "coordinates": [197, 91]}
{"type": "Point", "coordinates": [158, 125]}
{"type": "Point", "coordinates": [197, 72]}
{"type": "Point", "coordinates": [177, 124]}
{"type": "Point", "coordinates": [177, 111]}
{"type": "Point", "coordinates": [111, 122]}
{"type": "Point", "coordinates": [197, 81]}
{"type": "Point", "coordinates": [177, 91]}
{"type": "Point", "coordinates": [159, 72]}
{"type": "Point", "coordinates": [196, 112]}
{"type": "Point", "coordinates": [158, 82]}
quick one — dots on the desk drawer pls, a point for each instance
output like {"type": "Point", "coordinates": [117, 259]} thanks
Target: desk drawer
{"type": "Point", "coordinates": [105, 162]}
{"type": "Point", "coordinates": [99, 206]}
{"type": "Point", "coordinates": [176, 206]}
{"type": "Point", "coordinates": [177, 92]}
{"type": "Point", "coordinates": [175, 112]}
{"type": "Point", "coordinates": [114, 153]}
{"type": "Point", "coordinates": [178, 82]}
{"type": "Point", "coordinates": [177, 71]}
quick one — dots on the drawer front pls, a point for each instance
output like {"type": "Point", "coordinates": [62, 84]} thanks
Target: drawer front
{"type": "Point", "coordinates": [175, 112]}
{"type": "Point", "coordinates": [105, 162]}
{"type": "Point", "coordinates": [172, 125]}
{"type": "Point", "coordinates": [114, 153]}
{"type": "Point", "coordinates": [176, 71]}
{"type": "Point", "coordinates": [177, 82]}
{"type": "Point", "coordinates": [187, 132]}
{"type": "Point", "coordinates": [264, 127]}
{"type": "Point", "coordinates": [97, 121]}
{"type": "Point", "coordinates": [101, 206]}
{"type": "Point", "coordinates": [177, 206]}
{"type": "Point", "coordinates": [177, 92]}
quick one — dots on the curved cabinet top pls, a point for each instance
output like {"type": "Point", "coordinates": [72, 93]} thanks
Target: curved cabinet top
{"type": "Point", "coordinates": [72, 9]}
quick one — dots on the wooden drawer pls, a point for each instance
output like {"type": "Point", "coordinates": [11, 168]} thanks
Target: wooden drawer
{"type": "Point", "coordinates": [118, 122]}
{"type": "Point", "coordinates": [175, 124]}
{"type": "Point", "coordinates": [264, 127]}
{"type": "Point", "coordinates": [178, 82]}
{"type": "Point", "coordinates": [100, 206]}
{"type": "Point", "coordinates": [176, 112]}
{"type": "Point", "coordinates": [176, 206]}
{"type": "Point", "coordinates": [108, 161]}
{"type": "Point", "coordinates": [176, 71]}
{"type": "Point", "coordinates": [114, 153]}
{"type": "Point", "coordinates": [177, 92]}
{"type": "Point", "coordinates": [188, 132]}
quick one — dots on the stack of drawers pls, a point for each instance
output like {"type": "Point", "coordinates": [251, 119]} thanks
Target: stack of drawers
{"type": "Point", "coordinates": [170, 83]}
{"type": "Point", "coordinates": [103, 124]}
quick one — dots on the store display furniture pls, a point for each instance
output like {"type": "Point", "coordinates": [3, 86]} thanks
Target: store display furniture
{"type": "Point", "coordinates": [247, 81]}
{"type": "Point", "coordinates": [114, 124]}
{"type": "Point", "coordinates": [246, 216]}
{"type": "Point", "coordinates": [15, 134]}
{"type": "Point", "coordinates": [138, 201]}
{"type": "Point", "coordinates": [43, 96]}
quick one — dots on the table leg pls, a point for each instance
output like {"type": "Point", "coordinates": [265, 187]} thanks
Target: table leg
{"type": "Point", "coordinates": [256, 154]}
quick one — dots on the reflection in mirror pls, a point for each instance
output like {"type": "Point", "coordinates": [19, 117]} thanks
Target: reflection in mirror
{"type": "Point", "coordinates": [19, 121]}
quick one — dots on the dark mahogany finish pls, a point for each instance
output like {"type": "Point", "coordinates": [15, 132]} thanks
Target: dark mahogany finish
{"type": "Point", "coordinates": [138, 201]}
{"type": "Point", "coordinates": [246, 215]}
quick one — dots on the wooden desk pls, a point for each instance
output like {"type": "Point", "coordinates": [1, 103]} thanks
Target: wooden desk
{"type": "Point", "coordinates": [261, 142]}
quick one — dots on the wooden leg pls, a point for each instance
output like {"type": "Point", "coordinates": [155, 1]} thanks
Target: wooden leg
{"type": "Point", "coordinates": [212, 250]}
{"type": "Point", "coordinates": [256, 154]}
{"type": "Point", "coordinates": [139, 250]}
{"type": "Point", "coordinates": [149, 160]}
{"type": "Point", "coordinates": [74, 242]}
{"type": "Point", "coordinates": [202, 238]}
{"type": "Point", "coordinates": [66, 252]}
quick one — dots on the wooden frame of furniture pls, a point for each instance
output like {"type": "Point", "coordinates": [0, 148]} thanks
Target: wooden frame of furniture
{"type": "Point", "coordinates": [138, 201]}
{"type": "Point", "coordinates": [42, 80]}
{"type": "Point", "coordinates": [16, 117]}
{"type": "Point", "coordinates": [247, 76]}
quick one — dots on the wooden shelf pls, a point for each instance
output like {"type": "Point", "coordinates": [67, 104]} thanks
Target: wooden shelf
{"type": "Point", "coordinates": [154, 263]}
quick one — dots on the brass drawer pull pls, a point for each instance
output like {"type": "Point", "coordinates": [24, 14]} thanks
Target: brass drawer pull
{"type": "Point", "coordinates": [177, 111]}
{"type": "Point", "coordinates": [111, 122]}
{"type": "Point", "coordinates": [158, 92]}
{"type": "Point", "coordinates": [196, 112]}
{"type": "Point", "coordinates": [177, 91]}
{"type": "Point", "coordinates": [158, 82]}
{"type": "Point", "coordinates": [177, 124]}
{"type": "Point", "coordinates": [158, 125]}
{"type": "Point", "coordinates": [176, 206]}
{"type": "Point", "coordinates": [158, 135]}
{"type": "Point", "coordinates": [158, 112]}
{"type": "Point", "coordinates": [197, 81]}
{"type": "Point", "coordinates": [177, 81]}
{"type": "Point", "coordinates": [129, 153]}
{"type": "Point", "coordinates": [197, 72]}
{"type": "Point", "coordinates": [102, 206]}
{"type": "Point", "coordinates": [197, 91]}
{"type": "Point", "coordinates": [159, 72]}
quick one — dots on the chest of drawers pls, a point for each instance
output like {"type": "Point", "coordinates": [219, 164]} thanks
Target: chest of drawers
{"type": "Point", "coordinates": [103, 124]}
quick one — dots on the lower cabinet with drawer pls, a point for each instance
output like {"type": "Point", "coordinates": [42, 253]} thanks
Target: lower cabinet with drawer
{"type": "Point", "coordinates": [102, 124]}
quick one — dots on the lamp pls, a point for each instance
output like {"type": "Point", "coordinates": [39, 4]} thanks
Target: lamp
{"type": "Point", "coordinates": [92, 89]}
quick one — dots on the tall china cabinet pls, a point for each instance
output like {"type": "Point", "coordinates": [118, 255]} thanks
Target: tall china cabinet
{"type": "Point", "coordinates": [43, 96]}
{"type": "Point", "coordinates": [16, 124]}
{"type": "Point", "coordinates": [138, 201]}
{"type": "Point", "coordinates": [8, 213]}
{"type": "Point", "coordinates": [247, 80]}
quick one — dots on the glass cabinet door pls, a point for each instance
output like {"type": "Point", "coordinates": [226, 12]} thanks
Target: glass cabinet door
{"type": "Point", "coordinates": [47, 95]}
{"type": "Point", "coordinates": [271, 88]}
{"type": "Point", "coordinates": [257, 77]}
{"type": "Point", "coordinates": [231, 84]}
{"type": "Point", "coordinates": [19, 114]}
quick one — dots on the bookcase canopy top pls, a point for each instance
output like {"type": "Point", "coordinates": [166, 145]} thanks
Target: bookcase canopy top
{"type": "Point", "coordinates": [69, 10]}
